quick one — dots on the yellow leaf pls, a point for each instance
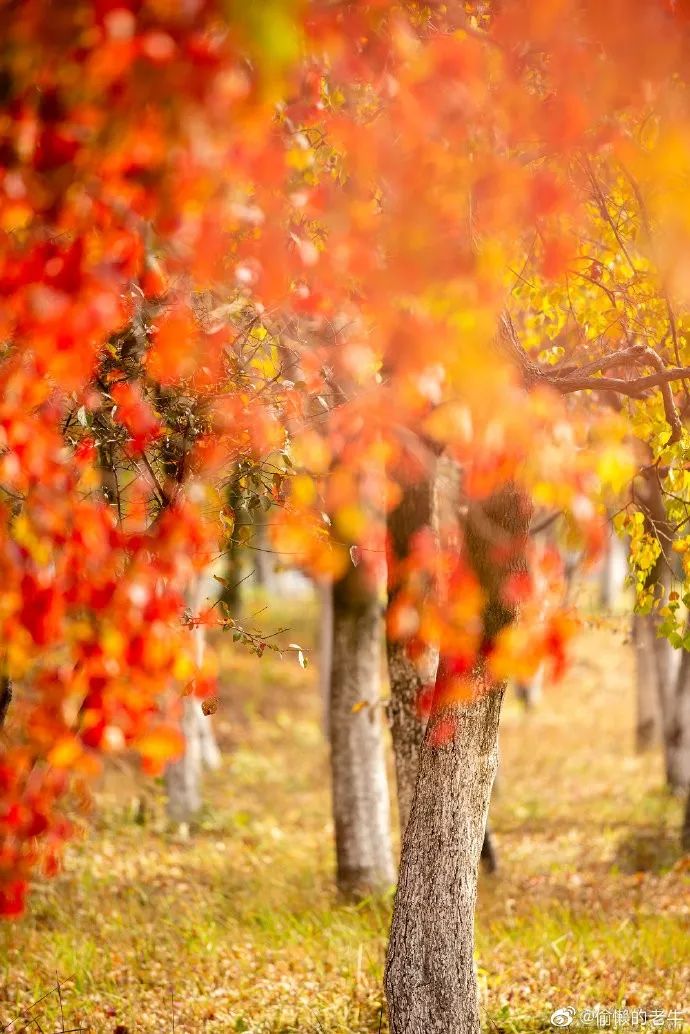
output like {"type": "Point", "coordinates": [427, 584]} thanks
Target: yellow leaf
{"type": "Point", "coordinates": [65, 752]}
{"type": "Point", "coordinates": [160, 744]}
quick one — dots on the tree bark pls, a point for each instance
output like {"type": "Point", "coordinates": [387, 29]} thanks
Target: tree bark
{"type": "Point", "coordinates": [230, 595]}
{"type": "Point", "coordinates": [663, 700]}
{"type": "Point", "coordinates": [613, 571]}
{"type": "Point", "coordinates": [678, 733]}
{"type": "Point", "coordinates": [430, 980]}
{"type": "Point", "coordinates": [670, 676]}
{"type": "Point", "coordinates": [361, 806]}
{"type": "Point", "coordinates": [414, 512]}
{"type": "Point", "coordinates": [325, 602]}
{"type": "Point", "coordinates": [264, 567]}
{"type": "Point", "coordinates": [685, 831]}
{"type": "Point", "coordinates": [5, 697]}
{"type": "Point", "coordinates": [421, 506]}
{"type": "Point", "coordinates": [648, 719]}
{"type": "Point", "coordinates": [183, 776]}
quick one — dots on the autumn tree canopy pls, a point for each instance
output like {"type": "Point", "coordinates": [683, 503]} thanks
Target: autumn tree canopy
{"type": "Point", "coordinates": [315, 242]}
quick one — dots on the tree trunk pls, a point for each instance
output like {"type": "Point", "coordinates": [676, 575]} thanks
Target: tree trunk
{"type": "Point", "coordinates": [361, 807]}
{"type": "Point", "coordinates": [671, 678]}
{"type": "Point", "coordinates": [431, 983]}
{"type": "Point", "coordinates": [407, 730]}
{"type": "Point", "coordinates": [230, 595]}
{"type": "Point", "coordinates": [672, 697]}
{"type": "Point", "coordinates": [183, 777]}
{"type": "Point", "coordinates": [413, 513]}
{"type": "Point", "coordinates": [685, 832]}
{"type": "Point", "coordinates": [647, 720]}
{"type": "Point", "coordinates": [678, 734]}
{"type": "Point", "coordinates": [489, 854]}
{"type": "Point", "coordinates": [325, 602]}
{"type": "Point", "coordinates": [430, 978]}
{"type": "Point", "coordinates": [264, 567]}
{"type": "Point", "coordinates": [421, 506]}
{"type": "Point", "coordinates": [5, 697]}
{"type": "Point", "coordinates": [530, 692]}
{"type": "Point", "coordinates": [613, 571]}
{"type": "Point", "coordinates": [663, 699]}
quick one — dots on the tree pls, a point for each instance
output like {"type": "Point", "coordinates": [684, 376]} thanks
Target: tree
{"type": "Point", "coordinates": [685, 832]}
{"type": "Point", "coordinates": [200, 750]}
{"type": "Point", "coordinates": [427, 508]}
{"type": "Point", "coordinates": [361, 809]}
{"type": "Point", "coordinates": [412, 515]}
{"type": "Point", "coordinates": [647, 722]}
{"type": "Point", "coordinates": [430, 981]}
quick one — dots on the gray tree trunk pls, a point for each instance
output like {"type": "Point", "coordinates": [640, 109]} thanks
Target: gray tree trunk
{"type": "Point", "coordinates": [407, 728]}
{"type": "Point", "coordinates": [413, 513]}
{"type": "Point", "coordinates": [264, 560]}
{"type": "Point", "coordinates": [672, 693]}
{"type": "Point", "coordinates": [664, 660]}
{"type": "Point", "coordinates": [430, 978]}
{"type": "Point", "coordinates": [361, 806]}
{"type": "Point", "coordinates": [325, 603]}
{"type": "Point", "coordinates": [678, 733]}
{"type": "Point", "coordinates": [613, 572]}
{"type": "Point", "coordinates": [663, 699]}
{"type": "Point", "coordinates": [671, 670]}
{"type": "Point", "coordinates": [431, 985]}
{"type": "Point", "coordinates": [432, 503]}
{"type": "Point", "coordinates": [685, 831]}
{"type": "Point", "coordinates": [183, 776]}
{"type": "Point", "coordinates": [648, 717]}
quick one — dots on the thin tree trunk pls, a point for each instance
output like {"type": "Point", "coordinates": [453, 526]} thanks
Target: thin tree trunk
{"type": "Point", "coordinates": [671, 702]}
{"type": "Point", "coordinates": [662, 654]}
{"type": "Point", "coordinates": [613, 571]}
{"type": "Point", "coordinates": [183, 776]}
{"type": "Point", "coordinates": [678, 735]}
{"type": "Point", "coordinates": [530, 692]}
{"type": "Point", "coordinates": [413, 513]}
{"type": "Point", "coordinates": [431, 983]}
{"type": "Point", "coordinates": [361, 807]}
{"type": "Point", "coordinates": [325, 603]}
{"type": "Point", "coordinates": [685, 831]}
{"type": "Point", "coordinates": [489, 854]}
{"type": "Point", "coordinates": [264, 568]}
{"type": "Point", "coordinates": [5, 697]}
{"type": "Point", "coordinates": [672, 696]}
{"type": "Point", "coordinates": [647, 721]}
{"type": "Point", "coordinates": [232, 574]}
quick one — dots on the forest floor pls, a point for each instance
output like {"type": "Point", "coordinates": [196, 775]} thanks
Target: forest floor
{"type": "Point", "coordinates": [238, 928]}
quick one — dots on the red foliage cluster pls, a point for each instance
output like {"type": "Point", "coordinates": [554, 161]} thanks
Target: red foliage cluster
{"type": "Point", "coordinates": [359, 173]}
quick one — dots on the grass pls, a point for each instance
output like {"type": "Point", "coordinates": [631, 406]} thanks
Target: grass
{"type": "Point", "coordinates": [238, 927]}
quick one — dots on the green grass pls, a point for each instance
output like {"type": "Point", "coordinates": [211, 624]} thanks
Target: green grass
{"type": "Point", "coordinates": [239, 927]}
